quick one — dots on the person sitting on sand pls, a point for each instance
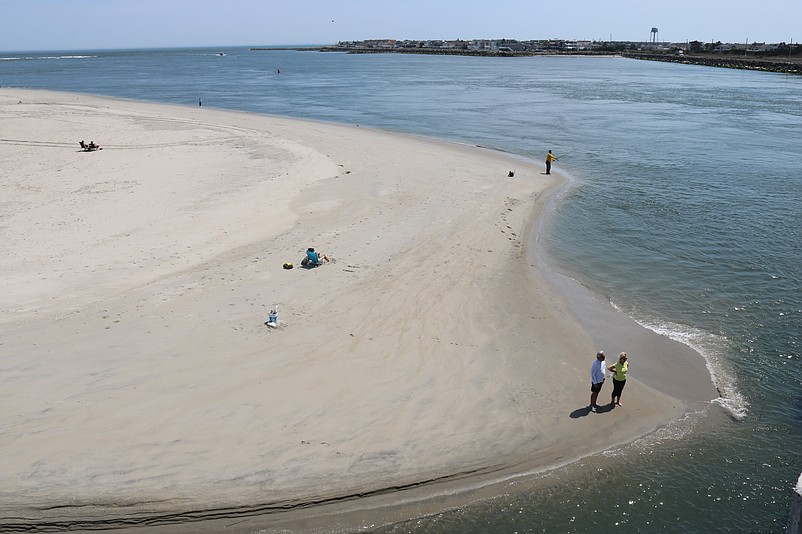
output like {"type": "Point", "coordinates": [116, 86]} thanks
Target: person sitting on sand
{"type": "Point", "coordinates": [272, 318]}
{"type": "Point", "coordinates": [313, 257]}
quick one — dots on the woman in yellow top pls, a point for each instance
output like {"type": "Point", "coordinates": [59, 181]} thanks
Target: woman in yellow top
{"type": "Point", "coordinates": [619, 370]}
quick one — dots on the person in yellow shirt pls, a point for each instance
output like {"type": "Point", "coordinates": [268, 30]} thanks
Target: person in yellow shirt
{"type": "Point", "coordinates": [619, 370]}
{"type": "Point", "coordinates": [549, 158]}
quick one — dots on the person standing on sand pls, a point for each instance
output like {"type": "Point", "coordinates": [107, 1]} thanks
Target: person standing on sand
{"type": "Point", "coordinates": [596, 379]}
{"type": "Point", "coordinates": [549, 158]}
{"type": "Point", "coordinates": [200, 102]}
{"type": "Point", "coordinates": [619, 370]}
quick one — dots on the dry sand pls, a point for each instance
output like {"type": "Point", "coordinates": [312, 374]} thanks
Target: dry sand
{"type": "Point", "coordinates": [139, 379]}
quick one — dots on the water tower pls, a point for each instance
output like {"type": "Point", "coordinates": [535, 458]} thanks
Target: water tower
{"type": "Point", "coordinates": [654, 38]}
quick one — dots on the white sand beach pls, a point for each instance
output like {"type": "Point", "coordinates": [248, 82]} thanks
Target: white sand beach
{"type": "Point", "coordinates": [140, 380]}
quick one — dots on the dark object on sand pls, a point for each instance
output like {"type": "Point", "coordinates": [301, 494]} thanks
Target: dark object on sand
{"type": "Point", "coordinates": [90, 147]}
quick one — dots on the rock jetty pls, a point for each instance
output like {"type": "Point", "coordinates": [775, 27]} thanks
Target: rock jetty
{"type": "Point", "coordinates": [769, 65]}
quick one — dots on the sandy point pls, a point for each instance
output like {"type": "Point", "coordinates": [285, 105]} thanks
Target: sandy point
{"type": "Point", "coordinates": [140, 380]}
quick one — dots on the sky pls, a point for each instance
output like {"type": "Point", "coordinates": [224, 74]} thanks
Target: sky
{"type": "Point", "coordinates": [33, 25]}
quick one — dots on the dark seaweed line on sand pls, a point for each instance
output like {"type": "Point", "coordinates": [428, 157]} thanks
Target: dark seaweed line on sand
{"type": "Point", "coordinates": [146, 519]}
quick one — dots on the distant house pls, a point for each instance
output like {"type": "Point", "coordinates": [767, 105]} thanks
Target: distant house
{"type": "Point", "coordinates": [554, 44]}
{"type": "Point", "coordinates": [576, 45]}
{"type": "Point", "coordinates": [760, 48]}
{"type": "Point", "coordinates": [479, 45]}
{"type": "Point", "coordinates": [456, 45]}
{"type": "Point", "coordinates": [515, 46]}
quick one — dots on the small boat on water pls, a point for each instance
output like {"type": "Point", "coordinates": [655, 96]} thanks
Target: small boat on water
{"type": "Point", "coordinates": [221, 53]}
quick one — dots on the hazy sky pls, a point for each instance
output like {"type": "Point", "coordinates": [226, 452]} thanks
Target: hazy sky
{"type": "Point", "coordinates": [97, 24]}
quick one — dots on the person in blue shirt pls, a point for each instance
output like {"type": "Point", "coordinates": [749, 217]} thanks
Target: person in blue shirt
{"type": "Point", "coordinates": [313, 257]}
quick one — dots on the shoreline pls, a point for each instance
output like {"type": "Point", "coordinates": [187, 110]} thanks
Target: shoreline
{"type": "Point", "coordinates": [774, 63]}
{"type": "Point", "coordinates": [454, 395]}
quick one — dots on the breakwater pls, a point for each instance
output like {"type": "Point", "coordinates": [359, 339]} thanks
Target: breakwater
{"type": "Point", "coordinates": [769, 65]}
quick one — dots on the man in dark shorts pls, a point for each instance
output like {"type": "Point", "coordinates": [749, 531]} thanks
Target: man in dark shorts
{"type": "Point", "coordinates": [549, 158]}
{"type": "Point", "coordinates": [596, 379]}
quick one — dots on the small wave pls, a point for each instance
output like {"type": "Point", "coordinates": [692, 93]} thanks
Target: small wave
{"type": "Point", "coordinates": [713, 350]}
{"type": "Point", "coordinates": [674, 431]}
{"type": "Point", "coordinates": [31, 58]}
{"type": "Point", "coordinates": [65, 57]}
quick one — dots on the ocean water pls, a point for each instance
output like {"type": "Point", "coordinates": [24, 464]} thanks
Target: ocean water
{"type": "Point", "coordinates": [684, 211]}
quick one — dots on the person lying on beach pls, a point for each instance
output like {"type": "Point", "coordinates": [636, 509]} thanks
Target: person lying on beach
{"type": "Point", "coordinates": [91, 146]}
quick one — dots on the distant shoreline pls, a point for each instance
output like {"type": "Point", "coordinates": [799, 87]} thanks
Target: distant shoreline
{"type": "Point", "coordinates": [439, 51]}
{"type": "Point", "coordinates": [774, 64]}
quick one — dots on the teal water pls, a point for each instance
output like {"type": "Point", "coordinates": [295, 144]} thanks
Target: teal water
{"type": "Point", "coordinates": [685, 212]}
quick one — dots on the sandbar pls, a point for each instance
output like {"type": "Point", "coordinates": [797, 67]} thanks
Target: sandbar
{"type": "Point", "coordinates": [141, 385]}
